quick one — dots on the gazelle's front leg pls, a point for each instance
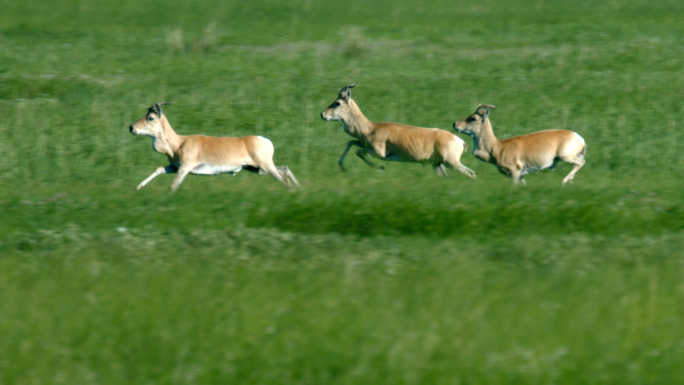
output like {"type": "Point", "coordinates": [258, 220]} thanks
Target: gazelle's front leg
{"type": "Point", "coordinates": [170, 169]}
{"type": "Point", "coordinates": [440, 170]}
{"type": "Point", "coordinates": [349, 145]}
{"type": "Point", "coordinates": [517, 178]}
{"type": "Point", "coordinates": [365, 156]}
{"type": "Point", "coordinates": [183, 171]}
{"type": "Point", "coordinates": [377, 150]}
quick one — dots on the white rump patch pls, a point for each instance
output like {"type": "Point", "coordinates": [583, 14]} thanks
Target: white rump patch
{"type": "Point", "coordinates": [580, 138]}
{"type": "Point", "coordinates": [211, 169]}
{"type": "Point", "coordinates": [267, 140]}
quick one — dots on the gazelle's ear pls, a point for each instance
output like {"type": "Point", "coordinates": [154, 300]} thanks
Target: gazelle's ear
{"type": "Point", "coordinates": [157, 110]}
{"type": "Point", "coordinates": [483, 110]}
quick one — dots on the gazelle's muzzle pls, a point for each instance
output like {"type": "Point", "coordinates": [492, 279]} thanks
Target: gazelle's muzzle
{"type": "Point", "coordinates": [326, 115]}
{"type": "Point", "coordinates": [133, 130]}
{"type": "Point", "coordinates": [461, 128]}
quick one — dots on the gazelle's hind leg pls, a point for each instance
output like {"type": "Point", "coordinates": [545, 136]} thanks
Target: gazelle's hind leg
{"type": "Point", "coordinates": [284, 171]}
{"type": "Point", "coordinates": [264, 161]}
{"type": "Point", "coordinates": [287, 173]}
{"type": "Point", "coordinates": [273, 171]}
{"type": "Point", "coordinates": [451, 155]}
{"type": "Point", "coordinates": [458, 166]}
{"type": "Point", "coordinates": [578, 161]}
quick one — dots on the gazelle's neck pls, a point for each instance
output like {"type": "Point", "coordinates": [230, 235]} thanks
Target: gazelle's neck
{"type": "Point", "coordinates": [486, 141]}
{"type": "Point", "coordinates": [167, 142]}
{"type": "Point", "coordinates": [356, 124]}
{"type": "Point", "coordinates": [485, 144]}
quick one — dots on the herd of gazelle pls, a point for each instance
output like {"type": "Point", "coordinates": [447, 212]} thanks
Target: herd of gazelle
{"type": "Point", "coordinates": [514, 157]}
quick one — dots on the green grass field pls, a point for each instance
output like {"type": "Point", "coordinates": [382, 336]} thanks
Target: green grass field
{"type": "Point", "coordinates": [364, 277]}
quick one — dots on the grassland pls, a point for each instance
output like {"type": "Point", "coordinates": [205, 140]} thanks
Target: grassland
{"type": "Point", "coordinates": [396, 277]}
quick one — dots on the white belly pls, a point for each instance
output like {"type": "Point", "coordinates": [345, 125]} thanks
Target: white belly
{"type": "Point", "coordinates": [212, 169]}
{"type": "Point", "coordinates": [530, 169]}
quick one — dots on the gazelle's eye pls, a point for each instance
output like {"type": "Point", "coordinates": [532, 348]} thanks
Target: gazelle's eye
{"type": "Point", "coordinates": [337, 104]}
{"type": "Point", "coordinates": [151, 118]}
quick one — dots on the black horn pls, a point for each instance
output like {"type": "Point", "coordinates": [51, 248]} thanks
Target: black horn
{"type": "Point", "coordinates": [157, 108]}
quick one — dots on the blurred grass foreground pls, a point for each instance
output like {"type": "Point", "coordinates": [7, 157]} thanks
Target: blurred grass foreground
{"type": "Point", "coordinates": [364, 277]}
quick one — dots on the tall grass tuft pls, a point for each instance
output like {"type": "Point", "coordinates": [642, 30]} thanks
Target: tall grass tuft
{"type": "Point", "coordinates": [174, 39]}
{"type": "Point", "coordinates": [354, 42]}
{"type": "Point", "coordinates": [206, 43]}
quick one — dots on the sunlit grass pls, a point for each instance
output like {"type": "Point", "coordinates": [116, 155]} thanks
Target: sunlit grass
{"type": "Point", "coordinates": [358, 277]}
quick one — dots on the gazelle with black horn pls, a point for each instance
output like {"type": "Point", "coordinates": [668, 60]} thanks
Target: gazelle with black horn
{"type": "Point", "coordinates": [395, 142]}
{"type": "Point", "coordinates": [524, 154]}
{"type": "Point", "coordinates": [206, 155]}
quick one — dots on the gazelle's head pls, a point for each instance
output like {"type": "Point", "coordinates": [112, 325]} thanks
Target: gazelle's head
{"type": "Point", "coordinates": [475, 123]}
{"type": "Point", "coordinates": [151, 124]}
{"type": "Point", "coordinates": [339, 110]}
